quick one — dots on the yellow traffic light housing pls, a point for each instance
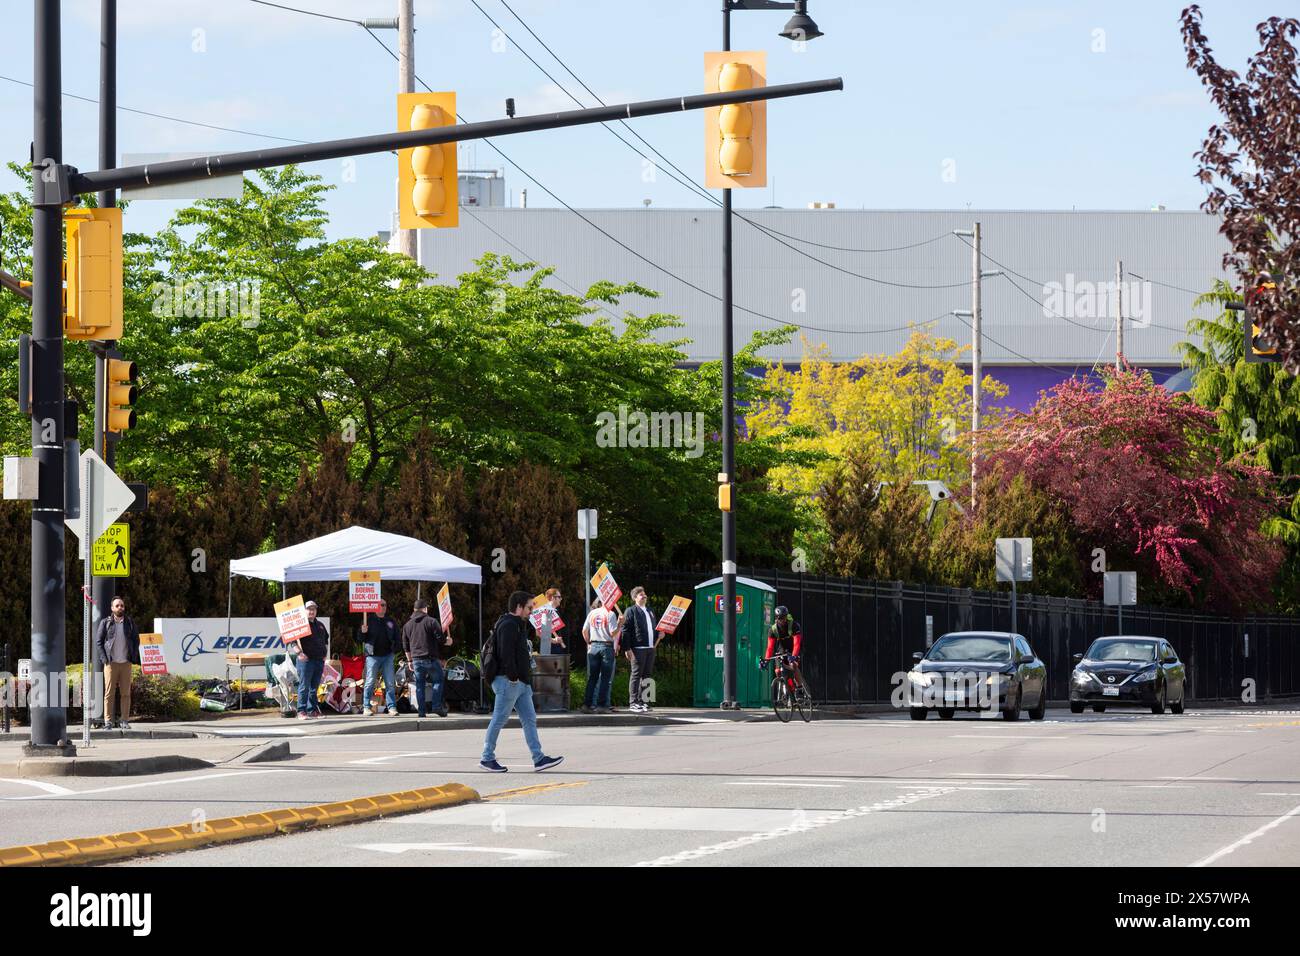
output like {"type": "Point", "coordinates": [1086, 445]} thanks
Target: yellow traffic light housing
{"type": "Point", "coordinates": [735, 136]}
{"type": "Point", "coordinates": [1259, 345]}
{"type": "Point", "coordinates": [724, 496]}
{"type": "Point", "coordinates": [428, 190]}
{"type": "Point", "coordinates": [93, 273]}
{"type": "Point", "coordinates": [119, 415]}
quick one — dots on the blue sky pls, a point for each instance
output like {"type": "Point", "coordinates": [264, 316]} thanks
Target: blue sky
{"type": "Point", "coordinates": [1031, 106]}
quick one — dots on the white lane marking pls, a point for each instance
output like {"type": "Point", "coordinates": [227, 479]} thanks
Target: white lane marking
{"type": "Point", "coordinates": [1036, 776]}
{"type": "Point", "coordinates": [1005, 737]}
{"type": "Point", "coordinates": [153, 783]}
{"type": "Point", "coordinates": [38, 784]}
{"type": "Point", "coordinates": [511, 853]}
{"type": "Point", "coordinates": [799, 826]}
{"type": "Point", "coordinates": [1268, 794]}
{"type": "Point", "coordinates": [1247, 839]}
{"type": "Point", "coordinates": [601, 817]}
{"type": "Point", "coordinates": [413, 753]}
{"type": "Point", "coordinates": [1159, 786]}
{"type": "Point", "coordinates": [1214, 779]}
{"type": "Point", "coordinates": [782, 783]}
{"type": "Point", "coordinates": [995, 789]}
{"type": "Point", "coordinates": [816, 779]}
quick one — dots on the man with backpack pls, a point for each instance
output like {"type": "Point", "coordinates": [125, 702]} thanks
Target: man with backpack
{"type": "Point", "coordinates": [507, 666]}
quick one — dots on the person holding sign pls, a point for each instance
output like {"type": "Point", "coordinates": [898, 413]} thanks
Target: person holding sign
{"type": "Point", "coordinates": [600, 632]}
{"type": "Point", "coordinates": [311, 651]}
{"type": "Point", "coordinates": [380, 636]}
{"type": "Point", "coordinates": [639, 642]}
{"type": "Point", "coordinates": [423, 641]}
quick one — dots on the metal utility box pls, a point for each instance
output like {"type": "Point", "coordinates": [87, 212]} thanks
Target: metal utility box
{"type": "Point", "coordinates": [755, 602]}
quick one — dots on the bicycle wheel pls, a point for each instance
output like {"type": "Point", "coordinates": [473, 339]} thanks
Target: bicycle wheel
{"type": "Point", "coordinates": [782, 702]}
{"type": "Point", "coordinates": [803, 700]}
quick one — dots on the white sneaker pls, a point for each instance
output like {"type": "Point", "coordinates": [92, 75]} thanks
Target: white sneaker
{"type": "Point", "coordinates": [392, 711]}
{"type": "Point", "coordinates": [367, 713]}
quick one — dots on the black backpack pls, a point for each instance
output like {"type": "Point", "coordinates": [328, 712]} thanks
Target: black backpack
{"type": "Point", "coordinates": [491, 663]}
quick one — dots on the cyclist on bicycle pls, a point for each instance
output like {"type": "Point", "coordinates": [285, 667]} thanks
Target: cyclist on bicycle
{"type": "Point", "coordinates": [785, 637]}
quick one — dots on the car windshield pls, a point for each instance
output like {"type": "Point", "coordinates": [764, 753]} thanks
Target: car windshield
{"type": "Point", "coordinates": [1122, 651]}
{"type": "Point", "coordinates": [971, 648]}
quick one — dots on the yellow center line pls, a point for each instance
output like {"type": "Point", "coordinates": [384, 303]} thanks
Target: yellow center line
{"type": "Point", "coordinates": [540, 788]}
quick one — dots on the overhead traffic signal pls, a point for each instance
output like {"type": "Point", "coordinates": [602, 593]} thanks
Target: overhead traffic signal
{"type": "Point", "coordinates": [93, 273]}
{"type": "Point", "coordinates": [121, 373]}
{"type": "Point", "coordinates": [735, 136]}
{"type": "Point", "coordinates": [428, 187]}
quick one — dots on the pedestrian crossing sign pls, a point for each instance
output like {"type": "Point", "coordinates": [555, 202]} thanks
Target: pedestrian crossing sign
{"type": "Point", "coordinates": [112, 553]}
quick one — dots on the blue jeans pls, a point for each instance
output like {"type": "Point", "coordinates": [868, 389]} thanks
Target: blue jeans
{"type": "Point", "coordinates": [516, 696]}
{"type": "Point", "coordinates": [309, 678]}
{"type": "Point", "coordinates": [381, 665]}
{"type": "Point", "coordinates": [428, 669]}
{"type": "Point", "coordinates": [600, 675]}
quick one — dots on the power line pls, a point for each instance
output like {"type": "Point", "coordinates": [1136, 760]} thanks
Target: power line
{"type": "Point", "coordinates": [310, 13]}
{"type": "Point", "coordinates": [683, 178]}
{"type": "Point", "coordinates": [173, 119]}
{"type": "Point", "coordinates": [1166, 285]}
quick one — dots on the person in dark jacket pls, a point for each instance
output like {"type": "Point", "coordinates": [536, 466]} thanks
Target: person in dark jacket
{"type": "Point", "coordinates": [423, 641]}
{"type": "Point", "coordinates": [119, 647]}
{"type": "Point", "coordinates": [312, 650]}
{"type": "Point", "coordinates": [513, 685]}
{"type": "Point", "coordinates": [639, 641]}
{"type": "Point", "coordinates": [380, 636]}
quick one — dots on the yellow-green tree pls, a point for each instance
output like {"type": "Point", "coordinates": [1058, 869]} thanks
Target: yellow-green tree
{"type": "Point", "coordinates": [908, 413]}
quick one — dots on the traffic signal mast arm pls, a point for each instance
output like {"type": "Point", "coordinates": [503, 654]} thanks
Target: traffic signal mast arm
{"type": "Point", "coordinates": [187, 170]}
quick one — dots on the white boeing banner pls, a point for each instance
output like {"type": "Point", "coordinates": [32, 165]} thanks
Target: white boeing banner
{"type": "Point", "coordinates": [197, 646]}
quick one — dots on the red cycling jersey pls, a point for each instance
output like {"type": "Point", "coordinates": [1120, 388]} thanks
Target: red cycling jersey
{"type": "Point", "coordinates": [785, 637]}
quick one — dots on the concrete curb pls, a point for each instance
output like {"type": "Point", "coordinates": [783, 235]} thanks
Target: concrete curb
{"type": "Point", "coordinates": [99, 767]}
{"type": "Point", "coordinates": [74, 734]}
{"type": "Point", "coordinates": [136, 843]}
{"type": "Point", "coordinates": [272, 750]}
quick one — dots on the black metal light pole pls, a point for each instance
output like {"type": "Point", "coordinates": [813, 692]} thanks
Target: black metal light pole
{"type": "Point", "coordinates": [799, 27]}
{"type": "Point", "coordinates": [48, 718]}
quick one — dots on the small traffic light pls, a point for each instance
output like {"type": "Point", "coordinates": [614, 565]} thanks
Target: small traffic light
{"type": "Point", "coordinates": [119, 415]}
{"type": "Point", "coordinates": [735, 136]}
{"type": "Point", "coordinates": [428, 190]}
{"type": "Point", "coordinates": [1259, 345]}
{"type": "Point", "coordinates": [92, 304]}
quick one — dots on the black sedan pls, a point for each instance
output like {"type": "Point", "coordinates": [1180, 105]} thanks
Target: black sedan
{"type": "Point", "coordinates": [977, 670]}
{"type": "Point", "coordinates": [1130, 671]}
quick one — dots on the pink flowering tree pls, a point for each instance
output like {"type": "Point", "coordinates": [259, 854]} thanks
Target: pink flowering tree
{"type": "Point", "coordinates": [1138, 472]}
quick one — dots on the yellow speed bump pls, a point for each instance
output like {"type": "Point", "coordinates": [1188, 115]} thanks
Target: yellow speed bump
{"type": "Point", "coordinates": [88, 850]}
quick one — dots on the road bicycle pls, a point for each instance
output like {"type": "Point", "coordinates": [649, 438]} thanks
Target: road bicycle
{"type": "Point", "coordinates": [789, 689]}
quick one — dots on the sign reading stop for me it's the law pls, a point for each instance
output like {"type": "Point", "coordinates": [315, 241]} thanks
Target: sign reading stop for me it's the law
{"type": "Point", "coordinates": [112, 552]}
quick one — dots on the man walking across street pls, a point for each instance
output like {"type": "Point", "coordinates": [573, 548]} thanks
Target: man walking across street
{"type": "Point", "coordinates": [508, 665]}
{"type": "Point", "coordinates": [639, 642]}
{"type": "Point", "coordinates": [311, 654]}
{"type": "Point", "coordinates": [380, 636]}
{"type": "Point", "coordinates": [119, 648]}
{"type": "Point", "coordinates": [600, 631]}
{"type": "Point", "coordinates": [423, 641]}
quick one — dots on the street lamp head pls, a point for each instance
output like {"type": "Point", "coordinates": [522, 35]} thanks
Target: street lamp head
{"type": "Point", "coordinates": [801, 26]}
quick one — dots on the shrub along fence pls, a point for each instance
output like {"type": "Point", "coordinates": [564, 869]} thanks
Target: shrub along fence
{"type": "Point", "coordinates": [859, 634]}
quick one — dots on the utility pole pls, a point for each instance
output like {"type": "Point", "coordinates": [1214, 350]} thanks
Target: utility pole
{"type": "Point", "coordinates": [408, 240]}
{"type": "Point", "coordinates": [48, 586]}
{"type": "Point", "coordinates": [1119, 315]}
{"type": "Point", "coordinates": [103, 589]}
{"type": "Point", "coordinates": [729, 647]}
{"type": "Point", "coordinates": [977, 346]}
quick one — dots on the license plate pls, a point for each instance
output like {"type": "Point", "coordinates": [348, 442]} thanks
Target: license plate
{"type": "Point", "coordinates": [957, 698]}
{"type": "Point", "coordinates": [1110, 691]}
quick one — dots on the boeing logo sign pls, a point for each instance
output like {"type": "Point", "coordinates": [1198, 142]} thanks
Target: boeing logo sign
{"type": "Point", "coordinates": [200, 645]}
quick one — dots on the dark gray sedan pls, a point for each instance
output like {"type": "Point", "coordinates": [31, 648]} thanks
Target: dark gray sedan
{"type": "Point", "coordinates": [1130, 671]}
{"type": "Point", "coordinates": [978, 670]}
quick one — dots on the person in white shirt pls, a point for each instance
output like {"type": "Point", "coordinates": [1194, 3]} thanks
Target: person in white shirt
{"type": "Point", "coordinates": [600, 631]}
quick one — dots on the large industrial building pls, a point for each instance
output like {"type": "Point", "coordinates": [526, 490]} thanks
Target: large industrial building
{"type": "Point", "coordinates": [859, 280]}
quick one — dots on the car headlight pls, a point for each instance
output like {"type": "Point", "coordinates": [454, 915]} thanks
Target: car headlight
{"type": "Point", "coordinates": [920, 679]}
{"type": "Point", "coordinates": [994, 679]}
{"type": "Point", "coordinates": [1144, 675]}
{"type": "Point", "coordinates": [1081, 677]}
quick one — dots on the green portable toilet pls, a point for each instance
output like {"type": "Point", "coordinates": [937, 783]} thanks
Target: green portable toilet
{"type": "Point", "coordinates": [756, 603]}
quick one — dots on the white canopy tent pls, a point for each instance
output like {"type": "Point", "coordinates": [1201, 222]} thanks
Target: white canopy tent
{"type": "Point", "coordinates": [332, 557]}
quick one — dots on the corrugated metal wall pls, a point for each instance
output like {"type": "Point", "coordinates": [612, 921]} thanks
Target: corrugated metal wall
{"type": "Point", "coordinates": [871, 315]}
